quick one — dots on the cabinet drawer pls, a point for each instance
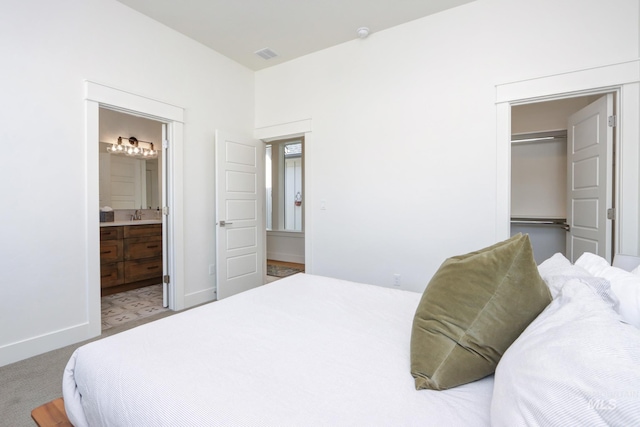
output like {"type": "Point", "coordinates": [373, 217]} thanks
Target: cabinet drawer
{"type": "Point", "coordinates": [111, 251]}
{"type": "Point", "coordinates": [148, 268]}
{"type": "Point", "coordinates": [142, 230]}
{"type": "Point", "coordinates": [111, 233]}
{"type": "Point", "coordinates": [111, 274]}
{"type": "Point", "coordinates": [143, 247]}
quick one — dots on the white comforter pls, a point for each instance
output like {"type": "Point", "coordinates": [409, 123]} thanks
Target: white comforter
{"type": "Point", "coordinates": [302, 351]}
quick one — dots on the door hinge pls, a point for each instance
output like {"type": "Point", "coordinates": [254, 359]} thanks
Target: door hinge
{"type": "Point", "coordinates": [165, 144]}
{"type": "Point", "coordinates": [165, 210]}
{"type": "Point", "coordinates": [612, 121]}
{"type": "Point", "coordinates": [165, 278]}
{"type": "Point", "coordinates": [611, 213]}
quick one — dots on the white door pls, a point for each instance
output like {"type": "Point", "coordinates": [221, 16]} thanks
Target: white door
{"type": "Point", "coordinates": [589, 166]}
{"type": "Point", "coordinates": [240, 221]}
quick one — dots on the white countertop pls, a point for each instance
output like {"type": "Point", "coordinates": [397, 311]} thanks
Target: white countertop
{"type": "Point", "coordinates": [131, 222]}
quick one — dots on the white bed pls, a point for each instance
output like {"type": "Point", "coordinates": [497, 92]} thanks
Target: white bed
{"type": "Point", "coordinates": [315, 351]}
{"type": "Point", "coordinates": [305, 350]}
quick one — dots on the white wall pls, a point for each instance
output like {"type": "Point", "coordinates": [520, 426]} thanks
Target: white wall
{"type": "Point", "coordinates": [48, 50]}
{"type": "Point", "coordinates": [404, 126]}
{"type": "Point", "coordinates": [285, 246]}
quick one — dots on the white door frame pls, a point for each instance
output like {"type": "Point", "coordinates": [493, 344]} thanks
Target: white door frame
{"type": "Point", "coordinates": [300, 128]}
{"type": "Point", "coordinates": [96, 96]}
{"type": "Point", "coordinates": [623, 78]}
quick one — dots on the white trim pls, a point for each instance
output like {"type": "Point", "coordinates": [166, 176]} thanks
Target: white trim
{"type": "Point", "coordinates": [98, 95]}
{"type": "Point", "coordinates": [573, 83]}
{"type": "Point", "coordinates": [503, 171]}
{"type": "Point", "coordinates": [285, 233]}
{"type": "Point", "coordinates": [285, 130]}
{"type": "Point", "coordinates": [175, 220]}
{"type": "Point", "coordinates": [200, 297]}
{"type": "Point", "coordinates": [138, 105]}
{"type": "Point", "coordinates": [20, 350]}
{"type": "Point", "coordinates": [622, 78]}
{"type": "Point", "coordinates": [92, 236]}
{"type": "Point", "coordinates": [286, 257]}
{"type": "Point", "coordinates": [628, 171]}
{"type": "Point", "coordinates": [291, 130]}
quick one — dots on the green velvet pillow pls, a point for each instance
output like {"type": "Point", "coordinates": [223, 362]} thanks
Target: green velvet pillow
{"type": "Point", "coordinates": [474, 307]}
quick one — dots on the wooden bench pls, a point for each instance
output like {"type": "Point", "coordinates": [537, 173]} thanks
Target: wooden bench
{"type": "Point", "coordinates": [51, 414]}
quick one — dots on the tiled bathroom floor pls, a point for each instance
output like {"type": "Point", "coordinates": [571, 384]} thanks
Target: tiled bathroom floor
{"type": "Point", "coordinates": [131, 305]}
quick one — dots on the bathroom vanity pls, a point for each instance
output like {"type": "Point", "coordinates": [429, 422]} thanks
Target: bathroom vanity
{"type": "Point", "coordinates": [130, 255]}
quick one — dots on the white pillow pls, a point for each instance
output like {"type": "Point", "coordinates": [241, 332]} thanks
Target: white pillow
{"type": "Point", "coordinates": [576, 364]}
{"type": "Point", "coordinates": [555, 271]}
{"type": "Point", "coordinates": [626, 285]}
{"type": "Point", "coordinates": [636, 271]}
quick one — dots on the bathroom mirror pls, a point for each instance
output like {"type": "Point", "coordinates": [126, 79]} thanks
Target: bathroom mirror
{"type": "Point", "coordinates": [128, 182]}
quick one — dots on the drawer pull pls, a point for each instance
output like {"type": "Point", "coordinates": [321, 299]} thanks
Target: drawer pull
{"type": "Point", "coordinates": [152, 246]}
{"type": "Point", "coordinates": [105, 252]}
{"type": "Point", "coordinates": [152, 268]}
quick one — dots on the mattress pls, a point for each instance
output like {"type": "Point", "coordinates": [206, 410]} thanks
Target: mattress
{"type": "Point", "coordinates": [304, 350]}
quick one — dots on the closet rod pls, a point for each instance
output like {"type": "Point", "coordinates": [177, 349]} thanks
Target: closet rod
{"type": "Point", "coordinates": [549, 136]}
{"type": "Point", "coordinates": [559, 222]}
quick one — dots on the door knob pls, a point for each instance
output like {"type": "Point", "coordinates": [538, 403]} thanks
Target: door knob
{"type": "Point", "coordinates": [223, 223]}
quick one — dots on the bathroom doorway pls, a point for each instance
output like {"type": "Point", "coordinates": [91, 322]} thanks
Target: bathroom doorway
{"type": "Point", "coordinates": [101, 96]}
{"type": "Point", "coordinates": [131, 236]}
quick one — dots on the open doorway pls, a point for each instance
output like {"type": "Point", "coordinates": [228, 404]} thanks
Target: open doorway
{"type": "Point", "coordinates": [285, 243]}
{"type": "Point", "coordinates": [621, 78]}
{"type": "Point", "coordinates": [97, 96]}
{"type": "Point", "coordinates": [131, 237]}
{"type": "Point", "coordinates": [561, 203]}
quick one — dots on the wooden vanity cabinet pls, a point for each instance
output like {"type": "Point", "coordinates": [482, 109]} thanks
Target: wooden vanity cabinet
{"type": "Point", "coordinates": [130, 257]}
{"type": "Point", "coordinates": [111, 256]}
{"type": "Point", "coordinates": [143, 253]}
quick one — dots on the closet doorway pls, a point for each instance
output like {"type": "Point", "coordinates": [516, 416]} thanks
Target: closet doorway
{"type": "Point", "coordinates": [562, 175]}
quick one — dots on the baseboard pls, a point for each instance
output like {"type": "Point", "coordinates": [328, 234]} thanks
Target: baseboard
{"type": "Point", "coordinates": [200, 297]}
{"type": "Point", "coordinates": [25, 349]}
{"type": "Point", "coordinates": [285, 257]}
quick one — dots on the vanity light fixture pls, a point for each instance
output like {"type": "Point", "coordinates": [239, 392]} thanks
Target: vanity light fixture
{"type": "Point", "coordinates": [134, 149]}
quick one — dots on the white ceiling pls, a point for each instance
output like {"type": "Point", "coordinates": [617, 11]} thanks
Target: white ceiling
{"type": "Point", "coordinates": [291, 28]}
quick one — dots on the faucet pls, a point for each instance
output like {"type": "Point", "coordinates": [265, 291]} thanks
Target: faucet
{"type": "Point", "coordinates": [136, 216]}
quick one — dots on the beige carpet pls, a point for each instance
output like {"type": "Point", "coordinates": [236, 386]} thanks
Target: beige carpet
{"type": "Point", "coordinates": [27, 384]}
{"type": "Point", "coordinates": [30, 383]}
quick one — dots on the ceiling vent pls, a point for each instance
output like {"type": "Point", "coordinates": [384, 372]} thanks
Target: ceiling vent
{"type": "Point", "coordinates": [266, 53]}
